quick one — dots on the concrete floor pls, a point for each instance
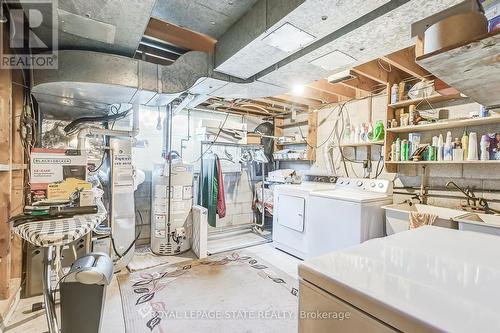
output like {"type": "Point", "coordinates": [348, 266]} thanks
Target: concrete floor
{"type": "Point", "coordinates": [25, 321]}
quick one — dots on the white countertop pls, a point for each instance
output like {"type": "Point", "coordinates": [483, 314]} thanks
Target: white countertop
{"type": "Point", "coordinates": [446, 278]}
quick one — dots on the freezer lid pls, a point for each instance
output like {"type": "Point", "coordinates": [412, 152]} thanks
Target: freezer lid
{"type": "Point", "coordinates": [432, 278]}
{"type": "Point", "coordinates": [351, 195]}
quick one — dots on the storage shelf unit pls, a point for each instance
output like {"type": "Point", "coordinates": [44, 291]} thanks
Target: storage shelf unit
{"type": "Point", "coordinates": [445, 162]}
{"type": "Point", "coordinates": [294, 160]}
{"type": "Point", "coordinates": [446, 125]}
{"type": "Point", "coordinates": [363, 144]}
{"type": "Point", "coordinates": [295, 124]}
{"type": "Point", "coordinates": [470, 66]}
{"type": "Point", "coordinates": [434, 99]}
{"type": "Point", "coordinates": [312, 128]}
{"type": "Point", "coordinates": [291, 143]}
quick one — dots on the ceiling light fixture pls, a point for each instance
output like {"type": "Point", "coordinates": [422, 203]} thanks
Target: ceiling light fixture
{"type": "Point", "coordinates": [298, 89]}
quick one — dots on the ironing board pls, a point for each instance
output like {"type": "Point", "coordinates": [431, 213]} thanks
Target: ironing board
{"type": "Point", "coordinates": [51, 234]}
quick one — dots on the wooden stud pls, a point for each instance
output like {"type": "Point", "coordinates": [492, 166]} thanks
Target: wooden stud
{"type": "Point", "coordinates": [312, 135]}
{"type": "Point", "coordinates": [278, 131]}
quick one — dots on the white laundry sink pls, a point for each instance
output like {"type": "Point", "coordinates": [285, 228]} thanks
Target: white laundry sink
{"type": "Point", "coordinates": [485, 223]}
{"type": "Point", "coordinates": [397, 216]}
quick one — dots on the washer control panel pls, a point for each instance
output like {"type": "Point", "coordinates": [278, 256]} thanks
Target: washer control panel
{"type": "Point", "coordinates": [363, 184]}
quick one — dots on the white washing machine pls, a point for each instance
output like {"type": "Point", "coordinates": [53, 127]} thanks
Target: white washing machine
{"type": "Point", "coordinates": [348, 215]}
{"type": "Point", "coordinates": [291, 213]}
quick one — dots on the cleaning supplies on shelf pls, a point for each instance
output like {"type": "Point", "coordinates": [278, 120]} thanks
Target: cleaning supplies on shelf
{"type": "Point", "coordinates": [378, 131]}
{"type": "Point", "coordinates": [440, 151]}
{"type": "Point", "coordinates": [398, 149]}
{"type": "Point", "coordinates": [393, 152]}
{"type": "Point", "coordinates": [485, 147]}
{"type": "Point", "coordinates": [405, 150]}
{"type": "Point", "coordinates": [448, 148]}
{"type": "Point", "coordinates": [458, 152]}
{"type": "Point", "coordinates": [414, 139]}
{"type": "Point", "coordinates": [465, 144]}
{"type": "Point", "coordinates": [394, 93]}
{"type": "Point", "coordinates": [472, 154]}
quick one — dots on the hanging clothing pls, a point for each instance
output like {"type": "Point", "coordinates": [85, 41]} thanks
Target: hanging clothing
{"type": "Point", "coordinates": [209, 188]}
{"type": "Point", "coordinates": [221, 199]}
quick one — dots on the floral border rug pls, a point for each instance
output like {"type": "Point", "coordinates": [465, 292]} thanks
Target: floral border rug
{"type": "Point", "coordinates": [231, 292]}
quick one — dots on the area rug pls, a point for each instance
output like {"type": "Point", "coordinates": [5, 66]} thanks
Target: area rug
{"type": "Point", "coordinates": [144, 258]}
{"type": "Point", "coordinates": [231, 292]}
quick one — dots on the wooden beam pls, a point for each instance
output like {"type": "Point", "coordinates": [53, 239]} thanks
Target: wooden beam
{"type": "Point", "coordinates": [283, 104]}
{"type": "Point", "coordinates": [297, 100]}
{"type": "Point", "coordinates": [335, 88]}
{"type": "Point", "coordinates": [319, 95]}
{"type": "Point", "coordinates": [363, 83]}
{"type": "Point", "coordinates": [178, 36]}
{"type": "Point", "coordinates": [405, 60]}
{"type": "Point", "coordinates": [373, 71]}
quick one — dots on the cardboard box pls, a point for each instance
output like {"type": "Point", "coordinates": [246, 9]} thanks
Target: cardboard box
{"type": "Point", "coordinates": [57, 173]}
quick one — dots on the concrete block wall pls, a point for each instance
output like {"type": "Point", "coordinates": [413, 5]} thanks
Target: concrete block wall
{"type": "Point", "coordinates": [239, 197]}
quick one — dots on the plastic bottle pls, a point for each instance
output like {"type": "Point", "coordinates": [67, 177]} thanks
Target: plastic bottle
{"type": "Point", "coordinates": [448, 148]}
{"type": "Point", "coordinates": [404, 150]}
{"type": "Point", "coordinates": [394, 93]}
{"type": "Point", "coordinates": [398, 149]}
{"type": "Point", "coordinates": [465, 143]}
{"type": "Point", "coordinates": [485, 148]}
{"type": "Point", "coordinates": [440, 150]}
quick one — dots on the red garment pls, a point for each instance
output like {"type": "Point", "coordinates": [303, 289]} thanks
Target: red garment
{"type": "Point", "coordinates": [221, 199]}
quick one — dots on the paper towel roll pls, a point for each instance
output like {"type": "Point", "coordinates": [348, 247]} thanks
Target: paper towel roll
{"type": "Point", "coordinates": [472, 151]}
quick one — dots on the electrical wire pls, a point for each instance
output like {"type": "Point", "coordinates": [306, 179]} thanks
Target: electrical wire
{"type": "Point", "coordinates": [131, 244]}
{"type": "Point", "coordinates": [72, 126]}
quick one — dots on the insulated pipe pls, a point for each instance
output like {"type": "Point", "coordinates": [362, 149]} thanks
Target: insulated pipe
{"type": "Point", "coordinates": [89, 131]}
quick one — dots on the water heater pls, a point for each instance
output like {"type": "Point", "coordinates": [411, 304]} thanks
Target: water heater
{"type": "Point", "coordinates": [172, 200]}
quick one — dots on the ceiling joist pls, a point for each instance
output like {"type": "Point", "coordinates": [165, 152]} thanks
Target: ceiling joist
{"type": "Point", "coordinates": [405, 61]}
{"type": "Point", "coordinates": [363, 83]}
{"type": "Point", "coordinates": [178, 36]}
{"type": "Point", "coordinates": [335, 88]}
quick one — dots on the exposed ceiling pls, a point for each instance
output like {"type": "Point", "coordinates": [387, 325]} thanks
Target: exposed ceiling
{"type": "Point", "coordinates": [125, 20]}
{"type": "Point", "coordinates": [250, 60]}
{"type": "Point", "coordinates": [209, 17]}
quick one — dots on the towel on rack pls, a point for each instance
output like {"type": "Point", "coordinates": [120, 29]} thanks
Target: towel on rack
{"type": "Point", "coordinates": [420, 219]}
{"type": "Point", "coordinates": [221, 199]}
{"type": "Point", "coordinates": [210, 188]}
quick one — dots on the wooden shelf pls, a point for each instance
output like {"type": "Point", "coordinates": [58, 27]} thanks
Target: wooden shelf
{"type": "Point", "coordinates": [445, 162]}
{"type": "Point", "coordinates": [446, 124]}
{"type": "Point", "coordinates": [434, 99]}
{"type": "Point", "coordinates": [296, 124]}
{"type": "Point", "coordinates": [294, 160]}
{"type": "Point", "coordinates": [470, 66]}
{"type": "Point", "coordinates": [363, 144]}
{"type": "Point", "coordinates": [291, 143]}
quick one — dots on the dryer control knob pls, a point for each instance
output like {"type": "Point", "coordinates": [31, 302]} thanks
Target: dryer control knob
{"type": "Point", "coordinates": [372, 184]}
{"type": "Point", "coordinates": [359, 183]}
{"type": "Point", "coordinates": [380, 185]}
